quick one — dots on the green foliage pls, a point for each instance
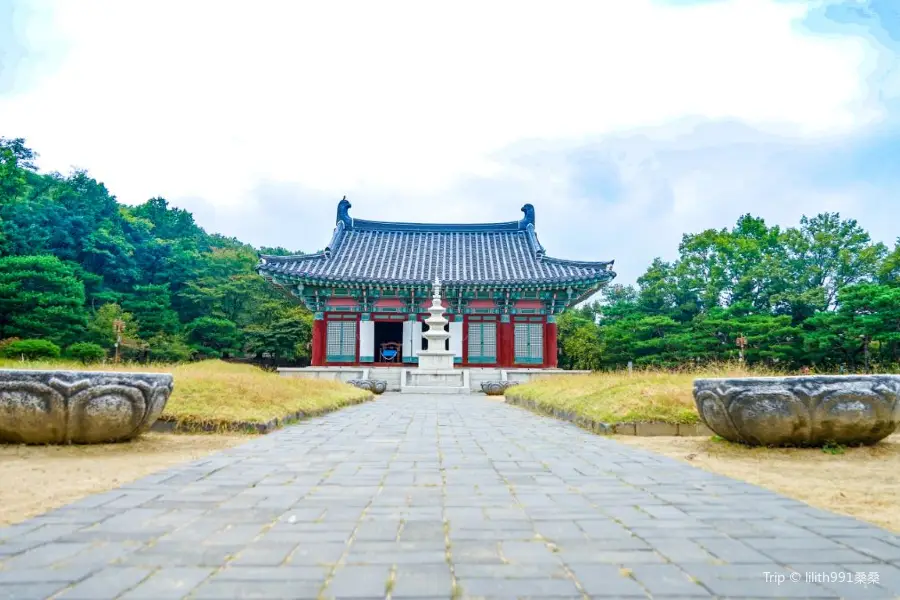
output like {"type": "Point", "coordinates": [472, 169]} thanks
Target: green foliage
{"type": "Point", "coordinates": [281, 333]}
{"type": "Point", "coordinates": [833, 448]}
{"type": "Point", "coordinates": [101, 327]}
{"type": "Point", "coordinates": [73, 262]}
{"type": "Point", "coordinates": [151, 306]}
{"type": "Point", "coordinates": [30, 349]}
{"type": "Point", "coordinates": [168, 349]}
{"type": "Point", "coordinates": [579, 341]}
{"type": "Point", "coordinates": [821, 295]}
{"type": "Point", "coordinates": [213, 337]}
{"type": "Point", "coordinates": [40, 297]}
{"type": "Point", "coordinates": [86, 352]}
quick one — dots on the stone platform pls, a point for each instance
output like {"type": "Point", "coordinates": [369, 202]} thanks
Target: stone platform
{"type": "Point", "coordinates": [440, 497]}
{"type": "Point", "coordinates": [476, 375]}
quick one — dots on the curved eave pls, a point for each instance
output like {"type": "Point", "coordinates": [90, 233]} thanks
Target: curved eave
{"type": "Point", "coordinates": [584, 264]}
{"type": "Point", "coordinates": [297, 278]}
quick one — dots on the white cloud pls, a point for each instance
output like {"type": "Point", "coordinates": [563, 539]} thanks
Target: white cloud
{"type": "Point", "coordinates": [255, 114]}
{"type": "Point", "coordinates": [204, 98]}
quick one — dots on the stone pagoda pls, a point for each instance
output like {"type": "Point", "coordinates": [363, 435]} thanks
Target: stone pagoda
{"type": "Point", "coordinates": [435, 372]}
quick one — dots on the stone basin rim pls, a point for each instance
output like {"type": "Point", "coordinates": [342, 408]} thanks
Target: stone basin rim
{"type": "Point", "coordinates": [796, 378]}
{"type": "Point", "coordinates": [162, 375]}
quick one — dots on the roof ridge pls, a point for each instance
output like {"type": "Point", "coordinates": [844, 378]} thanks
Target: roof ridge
{"type": "Point", "coordinates": [349, 223]}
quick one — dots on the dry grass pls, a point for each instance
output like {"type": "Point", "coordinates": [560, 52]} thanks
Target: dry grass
{"type": "Point", "coordinates": [860, 482]}
{"type": "Point", "coordinates": [616, 397]}
{"type": "Point", "coordinates": [47, 477]}
{"type": "Point", "coordinates": [218, 395]}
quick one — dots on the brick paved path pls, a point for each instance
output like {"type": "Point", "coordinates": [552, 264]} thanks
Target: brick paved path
{"type": "Point", "coordinates": [424, 497]}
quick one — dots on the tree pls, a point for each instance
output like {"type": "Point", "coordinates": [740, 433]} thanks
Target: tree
{"type": "Point", "coordinates": [40, 297]}
{"type": "Point", "coordinates": [15, 160]}
{"type": "Point", "coordinates": [283, 333]}
{"type": "Point", "coordinates": [102, 330]}
{"type": "Point", "coordinates": [213, 337]}
{"type": "Point", "coordinates": [580, 343]}
{"type": "Point", "coordinates": [824, 255]}
{"type": "Point", "coordinates": [151, 306]}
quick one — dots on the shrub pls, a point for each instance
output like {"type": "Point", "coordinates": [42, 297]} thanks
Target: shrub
{"type": "Point", "coordinates": [7, 342]}
{"type": "Point", "coordinates": [168, 348]}
{"type": "Point", "coordinates": [31, 349]}
{"type": "Point", "coordinates": [86, 352]}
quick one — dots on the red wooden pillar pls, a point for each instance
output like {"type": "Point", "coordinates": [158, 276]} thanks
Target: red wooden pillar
{"type": "Point", "coordinates": [505, 342]}
{"type": "Point", "coordinates": [319, 334]}
{"type": "Point", "coordinates": [550, 344]}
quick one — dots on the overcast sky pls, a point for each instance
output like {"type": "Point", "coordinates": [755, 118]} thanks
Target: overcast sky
{"type": "Point", "coordinates": [625, 123]}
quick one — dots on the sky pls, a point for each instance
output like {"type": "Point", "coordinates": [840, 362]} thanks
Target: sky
{"type": "Point", "coordinates": [625, 124]}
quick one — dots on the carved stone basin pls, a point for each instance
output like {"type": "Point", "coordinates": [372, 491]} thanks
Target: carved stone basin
{"type": "Point", "coordinates": [376, 386]}
{"type": "Point", "coordinates": [496, 388]}
{"type": "Point", "coordinates": [82, 407]}
{"type": "Point", "coordinates": [800, 411]}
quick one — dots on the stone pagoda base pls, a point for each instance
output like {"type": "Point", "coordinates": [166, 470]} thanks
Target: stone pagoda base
{"type": "Point", "coordinates": [435, 381]}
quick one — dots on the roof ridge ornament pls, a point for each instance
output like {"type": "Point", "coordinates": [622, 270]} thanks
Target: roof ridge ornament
{"type": "Point", "coordinates": [528, 219]}
{"type": "Point", "coordinates": [343, 213]}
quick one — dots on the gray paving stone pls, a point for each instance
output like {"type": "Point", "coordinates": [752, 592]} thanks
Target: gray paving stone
{"type": "Point", "coordinates": [606, 581]}
{"type": "Point", "coordinates": [519, 588]}
{"type": "Point", "coordinates": [264, 554]}
{"type": "Point", "coordinates": [282, 573]}
{"type": "Point", "coordinates": [29, 591]}
{"type": "Point", "coordinates": [257, 590]}
{"type": "Point", "coordinates": [44, 555]}
{"type": "Point", "coordinates": [535, 552]}
{"type": "Point", "coordinates": [733, 551]}
{"type": "Point", "coordinates": [527, 503]}
{"type": "Point", "coordinates": [359, 582]}
{"type": "Point", "coordinates": [43, 575]}
{"type": "Point", "coordinates": [667, 580]}
{"type": "Point", "coordinates": [760, 588]}
{"type": "Point", "coordinates": [429, 581]}
{"type": "Point", "coordinates": [508, 571]}
{"type": "Point", "coordinates": [873, 547]}
{"type": "Point", "coordinates": [168, 584]}
{"type": "Point", "coordinates": [108, 583]}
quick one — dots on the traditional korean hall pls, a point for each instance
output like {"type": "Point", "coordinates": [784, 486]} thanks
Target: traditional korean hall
{"type": "Point", "coordinates": [371, 287]}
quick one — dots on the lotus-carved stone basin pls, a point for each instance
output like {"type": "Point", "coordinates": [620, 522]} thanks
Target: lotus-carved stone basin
{"type": "Point", "coordinates": [82, 407]}
{"type": "Point", "coordinates": [800, 411]}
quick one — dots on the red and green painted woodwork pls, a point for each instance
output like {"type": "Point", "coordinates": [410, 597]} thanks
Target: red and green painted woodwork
{"type": "Point", "coordinates": [484, 332]}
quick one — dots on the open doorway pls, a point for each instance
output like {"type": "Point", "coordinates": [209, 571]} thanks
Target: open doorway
{"type": "Point", "coordinates": [388, 342]}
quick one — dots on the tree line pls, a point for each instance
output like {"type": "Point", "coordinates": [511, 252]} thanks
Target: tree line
{"type": "Point", "coordinates": [821, 295]}
{"type": "Point", "coordinates": [91, 277]}
{"type": "Point", "coordinates": [77, 267]}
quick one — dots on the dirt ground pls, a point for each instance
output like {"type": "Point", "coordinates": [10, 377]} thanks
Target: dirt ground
{"type": "Point", "coordinates": [861, 482]}
{"type": "Point", "coordinates": [39, 478]}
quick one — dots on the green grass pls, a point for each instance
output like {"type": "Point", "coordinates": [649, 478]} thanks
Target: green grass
{"type": "Point", "coordinates": [217, 395]}
{"type": "Point", "coordinates": [620, 397]}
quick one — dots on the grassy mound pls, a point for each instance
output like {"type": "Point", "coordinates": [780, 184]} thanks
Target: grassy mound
{"type": "Point", "coordinates": [216, 395]}
{"type": "Point", "coordinates": [620, 397]}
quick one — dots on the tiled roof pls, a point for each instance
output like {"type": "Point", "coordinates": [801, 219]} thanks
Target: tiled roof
{"type": "Point", "coordinates": [414, 253]}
